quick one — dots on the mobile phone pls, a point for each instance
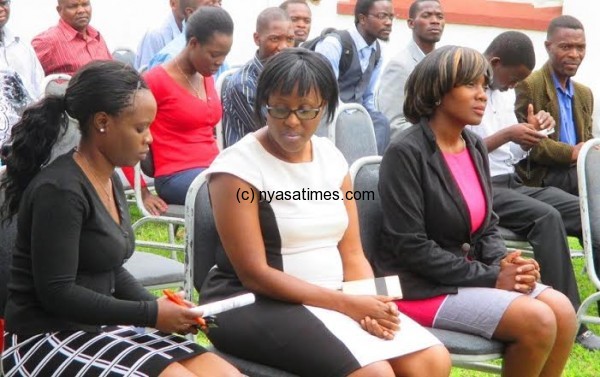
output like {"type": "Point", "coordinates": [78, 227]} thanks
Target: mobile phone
{"type": "Point", "coordinates": [547, 131]}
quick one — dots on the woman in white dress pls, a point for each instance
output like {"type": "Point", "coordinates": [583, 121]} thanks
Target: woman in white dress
{"type": "Point", "coordinates": [291, 238]}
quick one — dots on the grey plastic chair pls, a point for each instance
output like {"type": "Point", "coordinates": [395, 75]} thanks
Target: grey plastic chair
{"type": "Point", "coordinates": [588, 167]}
{"type": "Point", "coordinates": [55, 84]}
{"type": "Point", "coordinates": [203, 247]}
{"type": "Point", "coordinates": [124, 55]}
{"type": "Point", "coordinates": [467, 351]}
{"type": "Point", "coordinates": [352, 132]}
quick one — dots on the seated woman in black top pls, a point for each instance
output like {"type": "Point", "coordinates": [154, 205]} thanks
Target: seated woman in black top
{"type": "Point", "coordinates": [69, 294]}
{"type": "Point", "coordinates": [440, 234]}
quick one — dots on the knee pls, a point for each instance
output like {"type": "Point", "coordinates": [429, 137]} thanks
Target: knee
{"type": "Point", "coordinates": [541, 326]}
{"type": "Point", "coordinates": [377, 369]}
{"type": "Point", "coordinates": [564, 312]}
{"type": "Point", "coordinates": [437, 361]}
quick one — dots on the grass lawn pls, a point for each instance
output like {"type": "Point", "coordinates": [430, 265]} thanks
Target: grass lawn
{"type": "Point", "coordinates": [582, 363]}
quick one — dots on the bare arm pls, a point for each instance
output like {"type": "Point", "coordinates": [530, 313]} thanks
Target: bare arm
{"type": "Point", "coordinates": [246, 251]}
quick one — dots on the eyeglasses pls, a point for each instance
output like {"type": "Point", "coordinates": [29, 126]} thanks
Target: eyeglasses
{"type": "Point", "coordinates": [284, 112]}
{"type": "Point", "coordinates": [4, 4]}
{"type": "Point", "coordinates": [382, 16]}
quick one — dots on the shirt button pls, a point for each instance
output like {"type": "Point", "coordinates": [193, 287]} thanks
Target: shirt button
{"type": "Point", "coordinates": [465, 247]}
{"type": "Point", "coordinates": [112, 290]}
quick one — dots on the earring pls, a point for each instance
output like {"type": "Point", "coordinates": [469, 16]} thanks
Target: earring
{"type": "Point", "coordinates": [437, 103]}
{"type": "Point", "coordinates": [102, 130]}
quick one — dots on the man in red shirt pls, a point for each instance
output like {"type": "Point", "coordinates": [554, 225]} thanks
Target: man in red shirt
{"type": "Point", "coordinates": [72, 43]}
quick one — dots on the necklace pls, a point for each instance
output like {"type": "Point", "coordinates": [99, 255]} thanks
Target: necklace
{"type": "Point", "coordinates": [196, 91]}
{"type": "Point", "coordinates": [108, 193]}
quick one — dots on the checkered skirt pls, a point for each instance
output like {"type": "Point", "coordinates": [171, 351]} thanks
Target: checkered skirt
{"type": "Point", "coordinates": [116, 351]}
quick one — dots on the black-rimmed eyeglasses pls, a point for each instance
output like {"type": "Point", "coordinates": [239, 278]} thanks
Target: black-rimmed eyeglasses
{"type": "Point", "coordinates": [283, 112]}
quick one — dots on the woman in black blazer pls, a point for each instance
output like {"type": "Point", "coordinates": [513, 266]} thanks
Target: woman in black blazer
{"type": "Point", "coordinates": [439, 232]}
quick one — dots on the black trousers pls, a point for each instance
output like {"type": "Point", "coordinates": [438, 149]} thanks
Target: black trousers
{"type": "Point", "coordinates": [545, 216]}
{"type": "Point", "coordinates": [563, 178]}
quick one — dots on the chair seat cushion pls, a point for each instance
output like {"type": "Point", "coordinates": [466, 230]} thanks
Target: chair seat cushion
{"type": "Point", "coordinates": [466, 344]}
{"type": "Point", "coordinates": [151, 269]}
{"type": "Point", "coordinates": [250, 368]}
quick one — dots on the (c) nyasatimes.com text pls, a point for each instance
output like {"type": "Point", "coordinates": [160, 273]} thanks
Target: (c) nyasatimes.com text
{"type": "Point", "coordinates": [248, 195]}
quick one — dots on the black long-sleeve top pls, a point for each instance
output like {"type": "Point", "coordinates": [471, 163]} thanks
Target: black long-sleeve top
{"type": "Point", "coordinates": [426, 235]}
{"type": "Point", "coordinates": [67, 270]}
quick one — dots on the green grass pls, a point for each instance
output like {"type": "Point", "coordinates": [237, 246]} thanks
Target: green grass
{"type": "Point", "coordinates": [582, 363]}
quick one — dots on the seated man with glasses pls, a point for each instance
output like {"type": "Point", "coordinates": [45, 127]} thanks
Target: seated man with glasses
{"type": "Point", "coordinates": [372, 21]}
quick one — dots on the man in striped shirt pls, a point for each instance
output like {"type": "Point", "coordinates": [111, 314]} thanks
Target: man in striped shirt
{"type": "Point", "coordinates": [72, 43]}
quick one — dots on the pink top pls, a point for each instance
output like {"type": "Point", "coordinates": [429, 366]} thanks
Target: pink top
{"type": "Point", "coordinates": [62, 49]}
{"type": "Point", "coordinates": [466, 176]}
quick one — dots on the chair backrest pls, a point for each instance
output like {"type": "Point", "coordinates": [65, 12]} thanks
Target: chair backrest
{"type": "Point", "coordinates": [588, 166]}
{"type": "Point", "coordinates": [364, 173]}
{"type": "Point", "coordinates": [352, 132]}
{"type": "Point", "coordinates": [220, 86]}
{"type": "Point", "coordinates": [55, 84]}
{"type": "Point", "coordinates": [8, 232]}
{"type": "Point", "coordinates": [203, 245]}
{"type": "Point", "coordinates": [124, 55]}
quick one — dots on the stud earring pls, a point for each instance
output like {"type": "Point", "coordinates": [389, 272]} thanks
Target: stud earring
{"type": "Point", "coordinates": [102, 130]}
{"type": "Point", "coordinates": [437, 103]}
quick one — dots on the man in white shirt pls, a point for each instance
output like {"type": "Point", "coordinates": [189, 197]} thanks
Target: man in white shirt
{"type": "Point", "coordinates": [17, 56]}
{"type": "Point", "coordinates": [546, 216]}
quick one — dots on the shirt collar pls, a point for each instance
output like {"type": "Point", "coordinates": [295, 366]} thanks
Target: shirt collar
{"type": "Point", "coordinates": [569, 89]}
{"type": "Point", "coordinates": [359, 41]}
{"type": "Point", "coordinates": [173, 25]}
{"type": "Point", "coordinates": [416, 48]}
{"type": "Point", "coordinates": [71, 33]}
{"type": "Point", "coordinates": [257, 62]}
{"type": "Point", "coordinates": [9, 36]}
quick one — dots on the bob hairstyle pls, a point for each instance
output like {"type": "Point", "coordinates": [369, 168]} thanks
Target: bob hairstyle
{"type": "Point", "coordinates": [438, 73]}
{"type": "Point", "coordinates": [297, 69]}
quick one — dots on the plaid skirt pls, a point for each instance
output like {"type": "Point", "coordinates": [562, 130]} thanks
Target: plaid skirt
{"type": "Point", "coordinates": [116, 351]}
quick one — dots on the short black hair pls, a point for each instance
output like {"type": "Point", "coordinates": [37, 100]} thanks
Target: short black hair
{"type": "Point", "coordinates": [363, 7]}
{"type": "Point", "coordinates": [437, 74]}
{"type": "Point", "coordinates": [297, 69]}
{"type": "Point", "coordinates": [563, 21]}
{"type": "Point", "coordinates": [206, 21]}
{"type": "Point", "coordinates": [286, 3]}
{"type": "Point", "coordinates": [269, 15]}
{"type": "Point", "coordinates": [415, 6]}
{"type": "Point", "coordinates": [513, 48]}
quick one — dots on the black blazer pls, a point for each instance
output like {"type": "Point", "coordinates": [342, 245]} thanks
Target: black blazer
{"type": "Point", "coordinates": [426, 236]}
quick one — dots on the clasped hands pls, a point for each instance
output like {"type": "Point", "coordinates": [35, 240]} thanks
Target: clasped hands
{"type": "Point", "coordinates": [517, 273]}
{"type": "Point", "coordinates": [378, 315]}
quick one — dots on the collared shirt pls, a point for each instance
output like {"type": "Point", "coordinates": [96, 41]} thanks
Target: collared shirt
{"type": "Point", "coordinates": [62, 49]}
{"type": "Point", "coordinates": [17, 56]}
{"type": "Point", "coordinates": [331, 48]}
{"type": "Point", "coordinates": [567, 133]}
{"type": "Point", "coordinates": [175, 47]}
{"type": "Point", "coordinates": [238, 102]}
{"type": "Point", "coordinates": [155, 39]}
{"type": "Point", "coordinates": [499, 114]}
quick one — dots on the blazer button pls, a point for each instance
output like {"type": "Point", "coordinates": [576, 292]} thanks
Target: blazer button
{"type": "Point", "coordinates": [465, 247]}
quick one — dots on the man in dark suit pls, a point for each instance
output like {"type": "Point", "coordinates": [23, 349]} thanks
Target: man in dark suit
{"type": "Point", "coordinates": [553, 161]}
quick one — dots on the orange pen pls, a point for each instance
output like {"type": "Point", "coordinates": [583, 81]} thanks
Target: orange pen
{"type": "Point", "coordinates": [179, 301]}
